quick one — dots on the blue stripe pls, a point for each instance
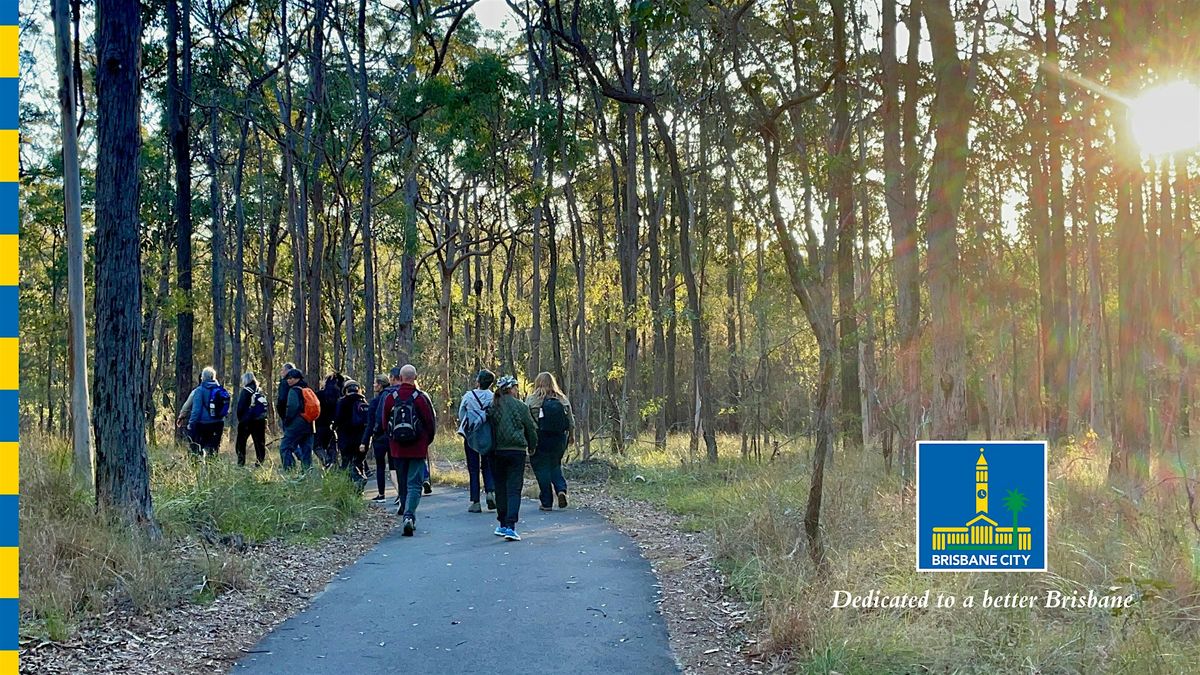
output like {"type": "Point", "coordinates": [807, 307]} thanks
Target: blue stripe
{"type": "Point", "coordinates": [9, 611]}
{"type": "Point", "coordinates": [8, 207]}
{"type": "Point", "coordinates": [9, 433]}
{"type": "Point", "coordinates": [9, 103]}
{"type": "Point", "coordinates": [8, 522]}
{"type": "Point", "coordinates": [8, 312]}
{"type": "Point", "coordinates": [8, 12]}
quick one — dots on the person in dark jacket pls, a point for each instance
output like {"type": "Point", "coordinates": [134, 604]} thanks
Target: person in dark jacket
{"type": "Point", "coordinates": [349, 423]}
{"type": "Point", "coordinates": [555, 423]}
{"type": "Point", "coordinates": [282, 392]}
{"type": "Point", "coordinates": [326, 440]}
{"type": "Point", "coordinates": [515, 438]}
{"type": "Point", "coordinates": [205, 429]}
{"type": "Point", "coordinates": [375, 435]}
{"type": "Point", "coordinates": [297, 440]}
{"type": "Point", "coordinates": [251, 420]}
{"type": "Point", "coordinates": [411, 457]}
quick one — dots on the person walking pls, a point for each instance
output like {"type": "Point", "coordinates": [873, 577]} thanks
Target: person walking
{"type": "Point", "coordinates": [281, 393]}
{"type": "Point", "coordinates": [550, 408]}
{"type": "Point", "coordinates": [206, 421]}
{"type": "Point", "coordinates": [473, 426]}
{"type": "Point", "coordinates": [251, 420]}
{"type": "Point", "coordinates": [412, 426]}
{"type": "Point", "coordinates": [516, 438]}
{"type": "Point", "coordinates": [326, 444]}
{"type": "Point", "coordinates": [375, 435]}
{"type": "Point", "coordinates": [301, 411]}
{"type": "Point", "coordinates": [349, 423]}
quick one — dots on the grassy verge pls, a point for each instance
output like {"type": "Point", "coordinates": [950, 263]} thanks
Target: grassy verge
{"type": "Point", "coordinates": [75, 565]}
{"type": "Point", "coordinates": [1102, 537]}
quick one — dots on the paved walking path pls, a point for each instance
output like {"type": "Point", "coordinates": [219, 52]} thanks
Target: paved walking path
{"type": "Point", "coordinates": [574, 597]}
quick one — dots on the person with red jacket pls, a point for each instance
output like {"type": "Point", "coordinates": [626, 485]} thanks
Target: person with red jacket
{"type": "Point", "coordinates": [411, 424]}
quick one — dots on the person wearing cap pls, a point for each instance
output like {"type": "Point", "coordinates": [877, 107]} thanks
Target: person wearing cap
{"type": "Point", "coordinates": [477, 401]}
{"type": "Point", "coordinates": [515, 438]}
{"type": "Point", "coordinates": [349, 422]}
{"type": "Point", "coordinates": [297, 440]}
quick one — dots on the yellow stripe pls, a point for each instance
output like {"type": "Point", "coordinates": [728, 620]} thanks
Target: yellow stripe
{"type": "Point", "coordinates": [9, 364]}
{"type": "Point", "coordinates": [9, 663]}
{"type": "Point", "coordinates": [9, 54]}
{"type": "Point", "coordinates": [9, 144]}
{"type": "Point", "coordinates": [9, 263]}
{"type": "Point", "coordinates": [9, 459]}
{"type": "Point", "coordinates": [8, 572]}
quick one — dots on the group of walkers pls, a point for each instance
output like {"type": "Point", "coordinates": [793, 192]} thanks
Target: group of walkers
{"type": "Point", "coordinates": [397, 425]}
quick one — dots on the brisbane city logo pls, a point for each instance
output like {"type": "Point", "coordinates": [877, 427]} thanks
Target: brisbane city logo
{"type": "Point", "coordinates": [981, 506]}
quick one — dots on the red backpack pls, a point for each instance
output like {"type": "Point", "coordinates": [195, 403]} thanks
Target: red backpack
{"type": "Point", "coordinates": [312, 405]}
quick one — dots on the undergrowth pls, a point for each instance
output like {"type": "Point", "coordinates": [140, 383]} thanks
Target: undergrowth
{"type": "Point", "coordinates": [76, 564]}
{"type": "Point", "coordinates": [1103, 535]}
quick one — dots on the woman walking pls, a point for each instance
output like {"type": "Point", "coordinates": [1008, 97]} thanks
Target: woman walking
{"type": "Point", "coordinates": [555, 422]}
{"type": "Point", "coordinates": [516, 438]}
{"type": "Point", "coordinates": [353, 415]}
{"type": "Point", "coordinates": [251, 420]}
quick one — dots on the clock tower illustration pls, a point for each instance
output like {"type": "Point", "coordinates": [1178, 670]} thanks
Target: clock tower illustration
{"type": "Point", "coordinates": [981, 533]}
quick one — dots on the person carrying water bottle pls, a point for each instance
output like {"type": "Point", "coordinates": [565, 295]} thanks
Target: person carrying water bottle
{"type": "Point", "coordinates": [210, 405]}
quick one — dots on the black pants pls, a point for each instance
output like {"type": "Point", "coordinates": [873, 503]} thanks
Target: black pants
{"type": "Point", "coordinates": [206, 438]}
{"type": "Point", "coordinates": [256, 430]}
{"type": "Point", "coordinates": [353, 463]}
{"type": "Point", "coordinates": [477, 464]}
{"type": "Point", "coordinates": [381, 464]}
{"type": "Point", "coordinates": [326, 447]}
{"type": "Point", "coordinates": [547, 466]}
{"type": "Point", "coordinates": [508, 473]}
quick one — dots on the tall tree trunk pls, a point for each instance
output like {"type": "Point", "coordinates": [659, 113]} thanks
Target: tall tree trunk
{"type": "Point", "coordinates": [951, 120]}
{"type": "Point", "coordinates": [654, 244]}
{"type": "Point", "coordinates": [179, 96]}
{"type": "Point", "coordinates": [81, 422]}
{"type": "Point", "coordinates": [122, 468]}
{"type": "Point", "coordinates": [368, 187]}
{"type": "Point", "coordinates": [627, 243]}
{"type": "Point", "coordinates": [239, 265]}
{"type": "Point", "coordinates": [841, 187]}
{"type": "Point", "coordinates": [316, 189]}
{"type": "Point", "coordinates": [217, 230]}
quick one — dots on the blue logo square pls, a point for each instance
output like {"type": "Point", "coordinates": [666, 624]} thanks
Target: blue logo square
{"type": "Point", "coordinates": [981, 506]}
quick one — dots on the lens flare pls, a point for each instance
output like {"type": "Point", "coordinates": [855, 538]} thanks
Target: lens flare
{"type": "Point", "coordinates": [1166, 119]}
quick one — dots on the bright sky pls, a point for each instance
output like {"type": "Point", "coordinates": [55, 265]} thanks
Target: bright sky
{"type": "Point", "coordinates": [492, 14]}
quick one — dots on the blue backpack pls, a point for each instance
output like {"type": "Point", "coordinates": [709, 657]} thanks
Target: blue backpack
{"type": "Point", "coordinates": [218, 403]}
{"type": "Point", "coordinates": [477, 428]}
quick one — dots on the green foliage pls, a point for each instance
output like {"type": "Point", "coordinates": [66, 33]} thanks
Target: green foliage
{"type": "Point", "coordinates": [75, 564]}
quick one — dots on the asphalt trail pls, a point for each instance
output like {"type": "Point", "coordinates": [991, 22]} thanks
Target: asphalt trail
{"type": "Point", "coordinates": [574, 596]}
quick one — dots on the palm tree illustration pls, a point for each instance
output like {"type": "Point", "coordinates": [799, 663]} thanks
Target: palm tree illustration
{"type": "Point", "coordinates": [1015, 502]}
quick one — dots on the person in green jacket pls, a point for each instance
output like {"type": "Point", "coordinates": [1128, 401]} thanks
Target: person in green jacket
{"type": "Point", "coordinates": [515, 438]}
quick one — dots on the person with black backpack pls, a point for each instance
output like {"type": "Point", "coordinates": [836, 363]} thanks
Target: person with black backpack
{"type": "Point", "coordinates": [351, 419]}
{"type": "Point", "coordinates": [412, 426]}
{"type": "Point", "coordinates": [476, 430]}
{"type": "Point", "coordinates": [210, 406]}
{"type": "Point", "coordinates": [252, 409]}
{"type": "Point", "coordinates": [555, 421]}
{"type": "Point", "coordinates": [326, 443]}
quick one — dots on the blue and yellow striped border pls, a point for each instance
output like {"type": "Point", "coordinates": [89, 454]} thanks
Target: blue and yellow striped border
{"type": "Point", "coordinates": [9, 59]}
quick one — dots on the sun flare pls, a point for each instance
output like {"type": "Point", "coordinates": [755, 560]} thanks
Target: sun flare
{"type": "Point", "coordinates": [1166, 119]}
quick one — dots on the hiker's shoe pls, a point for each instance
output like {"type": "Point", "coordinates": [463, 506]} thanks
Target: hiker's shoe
{"type": "Point", "coordinates": [474, 508]}
{"type": "Point", "coordinates": [545, 508]}
{"type": "Point", "coordinates": [396, 501]}
{"type": "Point", "coordinates": [562, 500]}
{"type": "Point", "coordinates": [511, 535]}
{"type": "Point", "coordinates": [410, 526]}
{"type": "Point", "coordinates": [491, 501]}
{"type": "Point", "coordinates": [427, 488]}
{"type": "Point", "coordinates": [499, 531]}
{"type": "Point", "coordinates": [379, 499]}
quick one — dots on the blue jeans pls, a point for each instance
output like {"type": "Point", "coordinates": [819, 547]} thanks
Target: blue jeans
{"type": "Point", "coordinates": [293, 447]}
{"type": "Point", "coordinates": [412, 474]}
{"type": "Point", "coordinates": [477, 464]}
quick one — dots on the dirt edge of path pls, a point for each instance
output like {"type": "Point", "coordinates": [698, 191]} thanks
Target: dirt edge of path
{"type": "Point", "coordinates": [280, 581]}
{"type": "Point", "coordinates": [712, 633]}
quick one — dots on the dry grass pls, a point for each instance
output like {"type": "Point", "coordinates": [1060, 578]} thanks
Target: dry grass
{"type": "Point", "coordinates": [75, 564]}
{"type": "Point", "coordinates": [1102, 536]}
